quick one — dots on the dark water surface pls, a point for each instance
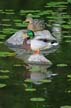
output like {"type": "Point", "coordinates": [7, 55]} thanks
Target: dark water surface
{"type": "Point", "coordinates": [49, 88]}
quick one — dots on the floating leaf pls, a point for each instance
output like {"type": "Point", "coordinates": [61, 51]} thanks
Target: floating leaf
{"type": "Point", "coordinates": [67, 36]}
{"type": "Point", "coordinates": [56, 4]}
{"type": "Point", "coordinates": [6, 25]}
{"type": "Point", "coordinates": [21, 24]}
{"type": "Point", "coordinates": [4, 71]}
{"type": "Point", "coordinates": [9, 10]}
{"type": "Point", "coordinates": [9, 13]}
{"type": "Point", "coordinates": [39, 99]}
{"type": "Point", "coordinates": [17, 65]}
{"type": "Point", "coordinates": [69, 1]}
{"type": "Point", "coordinates": [2, 36]}
{"type": "Point", "coordinates": [5, 19]}
{"type": "Point", "coordinates": [66, 26]}
{"type": "Point", "coordinates": [30, 89]}
{"type": "Point", "coordinates": [29, 11]}
{"type": "Point", "coordinates": [28, 80]}
{"type": "Point", "coordinates": [65, 107]}
{"type": "Point", "coordinates": [9, 30]}
{"type": "Point", "coordinates": [69, 91]}
{"type": "Point", "coordinates": [4, 77]}
{"type": "Point", "coordinates": [46, 81]}
{"type": "Point", "coordinates": [68, 41]}
{"type": "Point", "coordinates": [2, 85]}
{"type": "Point", "coordinates": [61, 65]}
{"type": "Point", "coordinates": [17, 20]}
{"type": "Point", "coordinates": [1, 10]}
{"type": "Point", "coordinates": [5, 54]}
{"type": "Point", "coordinates": [65, 32]}
{"type": "Point", "coordinates": [1, 42]}
{"type": "Point", "coordinates": [65, 16]}
{"type": "Point", "coordinates": [69, 76]}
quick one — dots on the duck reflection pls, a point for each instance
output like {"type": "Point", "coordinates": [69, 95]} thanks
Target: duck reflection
{"type": "Point", "coordinates": [38, 74]}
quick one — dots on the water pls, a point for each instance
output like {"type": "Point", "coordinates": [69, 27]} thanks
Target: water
{"type": "Point", "coordinates": [35, 86]}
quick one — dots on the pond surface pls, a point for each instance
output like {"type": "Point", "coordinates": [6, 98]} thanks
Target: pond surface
{"type": "Point", "coordinates": [34, 86]}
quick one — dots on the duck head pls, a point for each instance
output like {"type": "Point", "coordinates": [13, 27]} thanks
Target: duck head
{"type": "Point", "coordinates": [29, 18]}
{"type": "Point", "coordinates": [30, 34]}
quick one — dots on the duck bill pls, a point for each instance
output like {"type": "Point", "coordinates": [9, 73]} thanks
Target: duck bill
{"type": "Point", "coordinates": [26, 21]}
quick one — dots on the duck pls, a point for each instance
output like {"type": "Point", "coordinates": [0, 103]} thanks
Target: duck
{"type": "Point", "coordinates": [40, 35]}
{"type": "Point", "coordinates": [37, 43]}
{"type": "Point", "coordinates": [34, 24]}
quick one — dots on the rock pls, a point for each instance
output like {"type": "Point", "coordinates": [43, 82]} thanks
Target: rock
{"type": "Point", "coordinates": [38, 59]}
{"type": "Point", "coordinates": [16, 39]}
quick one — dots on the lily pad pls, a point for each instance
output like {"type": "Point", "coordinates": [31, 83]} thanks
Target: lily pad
{"type": "Point", "coordinates": [69, 91]}
{"type": "Point", "coordinates": [17, 65]}
{"type": "Point", "coordinates": [29, 11]}
{"type": "Point", "coordinates": [9, 10]}
{"type": "Point", "coordinates": [57, 4]}
{"type": "Point", "coordinates": [4, 77]}
{"type": "Point", "coordinates": [51, 17]}
{"type": "Point", "coordinates": [68, 41]}
{"type": "Point", "coordinates": [1, 42]}
{"type": "Point", "coordinates": [17, 20]}
{"type": "Point", "coordinates": [30, 89]}
{"type": "Point", "coordinates": [38, 99]}
{"type": "Point", "coordinates": [28, 80]}
{"type": "Point", "coordinates": [9, 13]}
{"type": "Point", "coordinates": [69, 1]}
{"type": "Point", "coordinates": [4, 71]}
{"type": "Point", "coordinates": [61, 65]}
{"type": "Point", "coordinates": [2, 85]}
{"type": "Point", "coordinates": [65, 107]}
{"type": "Point", "coordinates": [69, 76]}
{"type": "Point", "coordinates": [5, 54]}
{"type": "Point", "coordinates": [2, 36]}
{"type": "Point", "coordinates": [8, 29]}
{"type": "Point", "coordinates": [46, 81]}
{"type": "Point", "coordinates": [66, 26]}
{"type": "Point", "coordinates": [67, 36]}
{"type": "Point", "coordinates": [5, 19]}
{"type": "Point", "coordinates": [21, 25]}
{"type": "Point", "coordinates": [1, 10]}
{"type": "Point", "coordinates": [7, 25]}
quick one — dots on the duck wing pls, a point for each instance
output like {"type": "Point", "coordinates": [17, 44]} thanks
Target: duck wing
{"type": "Point", "coordinates": [38, 24]}
{"type": "Point", "coordinates": [44, 34]}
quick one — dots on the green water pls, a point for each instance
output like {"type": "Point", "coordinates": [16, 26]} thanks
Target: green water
{"type": "Point", "coordinates": [55, 90]}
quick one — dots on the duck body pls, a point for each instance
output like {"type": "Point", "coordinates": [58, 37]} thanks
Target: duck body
{"type": "Point", "coordinates": [43, 41]}
{"type": "Point", "coordinates": [17, 41]}
{"type": "Point", "coordinates": [40, 44]}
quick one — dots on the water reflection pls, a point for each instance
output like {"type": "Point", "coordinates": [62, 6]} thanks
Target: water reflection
{"type": "Point", "coordinates": [39, 74]}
